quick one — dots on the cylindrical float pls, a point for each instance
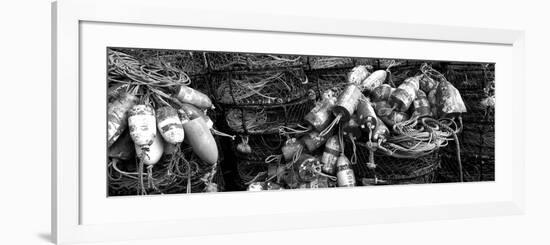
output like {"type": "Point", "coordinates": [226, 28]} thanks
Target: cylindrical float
{"type": "Point", "coordinates": [347, 102]}
{"type": "Point", "coordinates": [374, 80]}
{"type": "Point", "coordinates": [201, 140]}
{"type": "Point", "coordinates": [358, 74]}
{"type": "Point", "coordinates": [427, 83]}
{"type": "Point", "coordinates": [345, 175]}
{"type": "Point", "coordinates": [381, 93]}
{"type": "Point", "coordinates": [143, 126]}
{"type": "Point", "coordinates": [402, 98]}
{"type": "Point", "coordinates": [306, 167]}
{"type": "Point", "coordinates": [366, 114]}
{"type": "Point", "coordinates": [380, 132]}
{"type": "Point", "coordinates": [352, 127]}
{"type": "Point", "coordinates": [290, 148]}
{"type": "Point", "coordinates": [330, 155]}
{"type": "Point", "coordinates": [421, 105]}
{"type": "Point", "coordinates": [169, 125]}
{"type": "Point", "coordinates": [189, 95]}
{"type": "Point", "coordinates": [321, 115]}
{"type": "Point", "coordinates": [313, 140]}
{"type": "Point", "coordinates": [153, 154]}
{"type": "Point", "coordinates": [117, 115]}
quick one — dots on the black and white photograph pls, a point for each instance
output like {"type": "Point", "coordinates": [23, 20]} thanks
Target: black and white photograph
{"type": "Point", "coordinates": [190, 121]}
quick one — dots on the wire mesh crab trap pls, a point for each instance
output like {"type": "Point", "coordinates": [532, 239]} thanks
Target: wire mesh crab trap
{"type": "Point", "coordinates": [392, 170]}
{"type": "Point", "coordinates": [322, 80]}
{"type": "Point", "coordinates": [467, 76]}
{"type": "Point", "coordinates": [190, 62]}
{"type": "Point", "coordinates": [261, 146]}
{"type": "Point", "coordinates": [259, 87]}
{"type": "Point", "coordinates": [224, 61]}
{"type": "Point", "coordinates": [188, 175]}
{"type": "Point", "coordinates": [249, 171]}
{"type": "Point", "coordinates": [267, 119]}
{"type": "Point", "coordinates": [326, 62]}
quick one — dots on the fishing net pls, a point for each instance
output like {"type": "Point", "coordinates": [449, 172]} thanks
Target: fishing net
{"type": "Point", "coordinates": [267, 119]}
{"type": "Point", "coordinates": [223, 61]}
{"type": "Point", "coordinates": [262, 146]}
{"type": "Point", "coordinates": [326, 62]}
{"type": "Point", "coordinates": [190, 62]}
{"type": "Point", "coordinates": [167, 177]}
{"type": "Point", "coordinates": [322, 80]}
{"type": "Point", "coordinates": [468, 76]}
{"type": "Point", "coordinates": [259, 88]}
{"type": "Point", "coordinates": [249, 171]}
{"type": "Point", "coordinates": [391, 170]}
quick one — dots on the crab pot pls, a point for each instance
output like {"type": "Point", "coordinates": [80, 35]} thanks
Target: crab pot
{"type": "Point", "coordinates": [290, 148]}
{"type": "Point", "coordinates": [448, 100]}
{"type": "Point", "coordinates": [305, 166]}
{"type": "Point", "coordinates": [402, 98]}
{"type": "Point", "coordinates": [421, 105]}
{"type": "Point", "coordinates": [347, 102]}
{"type": "Point", "coordinates": [375, 79]}
{"type": "Point", "coordinates": [366, 115]}
{"type": "Point", "coordinates": [330, 155]}
{"type": "Point", "coordinates": [345, 175]}
{"type": "Point", "coordinates": [352, 127]}
{"type": "Point", "coordinates": [381, 93]}
{"type": "Point", "coordinates": [321, 115]}
{"type": "Point", "coordinates": [313, 141]}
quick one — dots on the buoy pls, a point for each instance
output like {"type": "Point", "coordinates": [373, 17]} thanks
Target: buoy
{"type": "Point", "coordinates": [143, 127]}
{"type": "Point", "coordinates": [358, 74]}
{"type": "Point", "coordinates": [189, 95]}
{"type": "Point", "coordinates": [381, 93]}
{"type": "Point", "coordinates": [321, 115]}
{"type": "Point", "coordinates": [395, 117]}
{"type": "Point", "coordinates": [431, 99]}
{"type": "Point", "coordinates": [345, 175]}
{"type": "Point", "coordinates": [313, 140]}
{"type": "Point", "coordinates": [201, 140]}
{"type": "Point", "coordinates": [290, 148]}
{"type": "Point", "coordinates": [374, 80]}
{"type": "Point", "coordinates": [330, 155]}
{"type": "Point", "coordinates": [421, 105]}
{"type": "Point", "coordinates": [153, 154]}
{"type": "Point", "coordinates": [427, 84]}
{"type": "Point", "coordinates": [117, 115]}
{"type": "Point", "coordinates": [352, 127]}
{"type": "Point", "coordinates": [380, 132]}
{"type": "Point", "coordinates": [448, 100]}
{"type": "Point", "coordinates": [366, 115]}
{"type": "Point", "coordinates": [306, 165]}
{"type": "Point", "coordinates": [192, 111]}
{"type": "Point", "coordinates": [345, 107]}
{"type": "Point", "coordinates": [169, 125]}
{"type": "Point", "coordinates": [402, 98]}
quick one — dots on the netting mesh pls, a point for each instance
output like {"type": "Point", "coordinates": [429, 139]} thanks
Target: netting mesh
{"type": "Point", "coordinates": [267, 119]}
{"type": "Point", "coordinates": [248, 170]}
{"type": "Point", "coordinates": [334, 79]}
{"type": "Point", "coordinates": [167, 183]}
{"type": "Point", "coordinates": [262, 145]}
{"type": "Point", "coordinates": [259, 88]}
{"type": "Point", "coordinates": [190, 62]}
{"type": "Point", "coordinates": [325, 62]}
{"type": "Point", "coordinates": [391, 170]}
{"type": "Point", "coordinates": [223, 61]}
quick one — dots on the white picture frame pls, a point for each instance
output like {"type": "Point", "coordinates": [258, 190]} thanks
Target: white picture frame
{"type": "Point", "coordinates": [67, 125]}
